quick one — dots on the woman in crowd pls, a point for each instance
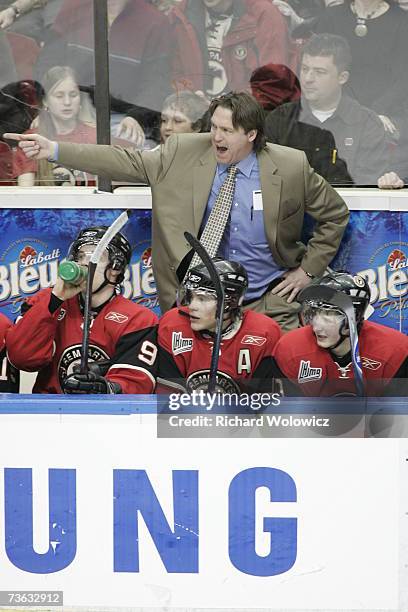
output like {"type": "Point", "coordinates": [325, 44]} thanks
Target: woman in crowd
{"type": "Point", "coordinates": [140, 43]}
{"type": "Point", "coordinates": [60, 117]}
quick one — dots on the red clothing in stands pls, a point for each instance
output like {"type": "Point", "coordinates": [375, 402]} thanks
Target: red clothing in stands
{"type": "Point", "coordinates": [83, 134]}
{"type": "Point", "coordinates": [258, 35]}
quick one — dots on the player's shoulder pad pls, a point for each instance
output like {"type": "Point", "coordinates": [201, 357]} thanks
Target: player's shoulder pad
{"type": "Point", "coordinates": [4, 322]}
{"type": "Point", "coordinates": [126, 308]}
{"type": "Point", "coordinates": [173, 321]}
{"type": "Point", "coordinates": [42, 297]}
{"type": "Point", "coordinates": [385, 340]}
{"type": "Point", "coordinates": [260, 323]}
{"type": "Point", "coordinates": [296, 343]}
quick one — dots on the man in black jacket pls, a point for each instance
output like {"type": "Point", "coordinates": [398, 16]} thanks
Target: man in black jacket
{"type": "Point", "coordinates": [358, 136]}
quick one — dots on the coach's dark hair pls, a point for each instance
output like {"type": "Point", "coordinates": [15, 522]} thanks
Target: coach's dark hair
{"type": "Point", "coordinates": [327, 45]}
{"type": "Point", "coordinates": [247, 113]}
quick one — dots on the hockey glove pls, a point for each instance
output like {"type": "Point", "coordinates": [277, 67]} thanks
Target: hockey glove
{"type": "Point", "coordinates": [89, 383]}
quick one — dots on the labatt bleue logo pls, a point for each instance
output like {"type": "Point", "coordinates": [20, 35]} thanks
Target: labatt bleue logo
{"type": "Point", "coordinates": [388, 280]}
{"type": "Point", "coordinates": [28, 265]}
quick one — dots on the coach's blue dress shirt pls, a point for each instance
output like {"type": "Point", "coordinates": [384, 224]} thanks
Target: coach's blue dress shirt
{"type": "Point", "coordinates": [244, 239]}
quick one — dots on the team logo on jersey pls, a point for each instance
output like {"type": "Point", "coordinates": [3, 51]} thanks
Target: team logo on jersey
{"type": "Point", "coordinates": [198, 381]}
{"type": "Point", "coordinates": [370, 364]}
{"type": "Point", "coordinates": [72, 356]}
{"type": "Point", "coordinates": [116, 316]}
{"type": "Point", "coordinates": [257, 340]}
{"type": "Point", "coordinates": [180, 344]}
{"type": "Point", "coordinates": [61, 314]}
{"type": "Point", "coordinates": [307, 372]}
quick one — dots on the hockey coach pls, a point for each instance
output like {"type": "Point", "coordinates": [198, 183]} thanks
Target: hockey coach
{"type": "Point", "coordinates": [246, 199]}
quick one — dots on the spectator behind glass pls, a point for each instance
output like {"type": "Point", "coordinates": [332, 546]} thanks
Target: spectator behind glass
{"type": "Point", "coordinates": [60, 117]}
{"type": "Point", "coordinates": [139, 47]}
{"type": "Point", "coordinates": [164, 5]}
{"type": "Point", "coordinates": [8, 72]}
{"type": "Point", "coordinates": [19, 105]}
{"type": "Point", "coordinates": [299, 12]}
{"type": "Point", "coordinates": [274, 84]}
{"type": "Point", "coordinates": [358, 132]}
{"type": "Point", "coordinates": [184, 112]}
{"type": "Point", "coordinates": [28, 17]}
{"type": "Point", "coordinates": [377, 32]}
{"type": "Point", "coordinates": [219, 43]}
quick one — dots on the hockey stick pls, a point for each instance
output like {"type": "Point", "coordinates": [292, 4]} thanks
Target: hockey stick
{"type": "Point", "coordinates": [112, 230]}
{"type": "Point", "coordinates": [348, 310]}
{"type": "Point", "coordinates": [219, 290]}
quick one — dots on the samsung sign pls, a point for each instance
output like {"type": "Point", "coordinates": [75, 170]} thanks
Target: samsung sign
{"type": "Point", "coordinates": [100, 508]}
{"type": "Point", "coordinates": [134, 497]}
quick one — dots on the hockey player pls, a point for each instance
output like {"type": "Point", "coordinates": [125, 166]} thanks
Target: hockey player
{"type": "Point", "coordinates": [9, 376]}
{"type": "Point", "coordinates": [122, 334]}
{"type": "Point", "coordinates": [316, 359]}
{"type": "Point", "coordinates": [186, 336]}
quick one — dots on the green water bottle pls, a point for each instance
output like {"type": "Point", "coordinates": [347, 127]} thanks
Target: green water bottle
{"type": "Point", "coordinates": [71, 272]}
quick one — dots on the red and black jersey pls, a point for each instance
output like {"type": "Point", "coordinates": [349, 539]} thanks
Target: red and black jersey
{"type": "Point", "coordinates": [316, 372]}
{"type": "Point", "coordinates": [245, 354]}
{"type": "Point", "coordinates": [121, 332]}
{"type": "Point", "coordinates": [9, 375]}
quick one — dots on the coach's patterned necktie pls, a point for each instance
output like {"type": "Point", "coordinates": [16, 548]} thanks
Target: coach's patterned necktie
{"type": "Point", "coordinates": [218, 218]}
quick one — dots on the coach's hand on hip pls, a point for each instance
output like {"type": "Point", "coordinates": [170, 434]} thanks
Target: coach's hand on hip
{"type": "Point", "coordinates": [293, 281]}
{"type": "Point", "coordinates": [34, 145]}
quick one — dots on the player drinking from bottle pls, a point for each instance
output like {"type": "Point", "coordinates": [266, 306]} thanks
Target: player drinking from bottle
{"type": "Point", "coordinates": [122, 348]}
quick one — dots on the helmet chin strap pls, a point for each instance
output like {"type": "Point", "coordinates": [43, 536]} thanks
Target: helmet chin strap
{"type": "Point", "coordinates": [104, 283]}
{"type": "Point", "coordinates": [339, 341]}
{"type": "Point", "coordinates": [342, 337]}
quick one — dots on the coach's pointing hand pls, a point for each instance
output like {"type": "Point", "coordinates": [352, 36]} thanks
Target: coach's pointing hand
{"type": "Point", "coordinates": [34, 145]}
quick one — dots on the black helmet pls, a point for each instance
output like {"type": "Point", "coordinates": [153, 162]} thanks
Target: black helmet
{"type": "Point", "coordinates": [119, 249]}
{"type": "Point", "coordinates": [233, 277]}
{"type": "Point", "coordinates": [329, 291]}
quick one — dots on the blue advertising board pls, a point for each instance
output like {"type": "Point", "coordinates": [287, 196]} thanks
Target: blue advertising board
{"type": "Point", "coordinates": [34, 241]}
{"type": "Point", "coordinates": [375, 245]}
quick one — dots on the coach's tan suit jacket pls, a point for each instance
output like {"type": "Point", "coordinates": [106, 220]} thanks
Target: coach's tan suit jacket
{"type": "Point", "coordinates": [181, 174]}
